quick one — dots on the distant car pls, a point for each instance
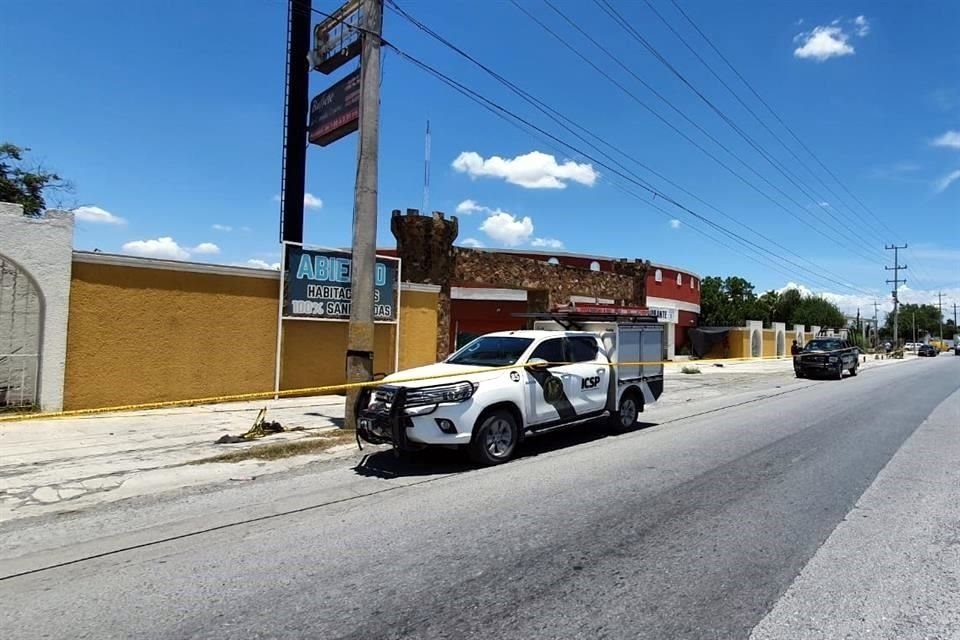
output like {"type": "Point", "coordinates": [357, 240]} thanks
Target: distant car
{"type": "Point", "coordinates": [827, 357]}
{"type": "Point", "coordinates": [911, 346]}
{"type": "Point", "coordinates": [927, 350]}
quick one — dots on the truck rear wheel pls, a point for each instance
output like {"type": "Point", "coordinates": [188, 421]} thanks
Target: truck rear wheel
{"type": "Point", "coordinates": [495, 438]}
{"type": "Point", "coordinates": [628, 411]}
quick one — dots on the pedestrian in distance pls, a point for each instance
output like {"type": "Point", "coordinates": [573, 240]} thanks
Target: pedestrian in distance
{"type": "Point", "coordinates": [795, 352]}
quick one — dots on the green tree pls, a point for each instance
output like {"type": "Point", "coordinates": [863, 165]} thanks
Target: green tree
{"type": "Point", "coordinates": [712, 301]}
{"type": "Point", "coordinates": [927, 321]}
{"type": "Point", "coordinates": [27, 186]}
{"type": "Point", "coordinates": [787, 305]}
{"type": "Point", "coordinates": [731, 301]}
{"type": "Point", "coordinates": [767, 307]}
{"type": "Point", "coordinates": [814, 310]}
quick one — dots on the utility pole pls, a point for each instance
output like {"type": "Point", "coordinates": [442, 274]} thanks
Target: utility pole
{"type": "Point", "coordinates": [876, 326]}
{"type": "Point", "coordinates": [295, 113]}
{"type": "Point", "coordinates": [364, 257]}
{"type": "Point", "coordinates": [940, 314]}
{"type": "Point", "coordinates": [896, 282]}
{"type": "Point", "coordinates": [914, 328]}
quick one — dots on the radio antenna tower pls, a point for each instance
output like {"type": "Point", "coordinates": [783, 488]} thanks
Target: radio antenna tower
{"type": "Point", "coordinates": [426, 171]}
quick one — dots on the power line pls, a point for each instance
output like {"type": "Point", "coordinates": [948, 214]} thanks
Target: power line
{"type": "Point", "coordinates": [767, 155]}
{"type": "Point", "coordinates": [514, 118]}
{"type": "Point", "coordinates": [670, 104]}
{"type": "Point", "coordinates": [777, 116]}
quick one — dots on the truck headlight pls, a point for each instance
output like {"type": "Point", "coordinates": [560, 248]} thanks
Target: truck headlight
{"type": "Point", "coordinates": [455, 392]}
{"type": "Point", "coordinates": [833, 359]}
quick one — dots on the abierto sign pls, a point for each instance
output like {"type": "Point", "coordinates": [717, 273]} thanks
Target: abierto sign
{"type": "Point", "coordinates": [335, 113]}
{"type": "Point", "coordinates": [317, 285]}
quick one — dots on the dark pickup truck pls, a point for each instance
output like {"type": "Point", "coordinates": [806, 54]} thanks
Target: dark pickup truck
{"type": "Point", "coordinates": [827, 357]}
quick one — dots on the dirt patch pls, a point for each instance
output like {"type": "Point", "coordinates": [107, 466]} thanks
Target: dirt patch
{"type": "Point", "coordinates": [278, 450]}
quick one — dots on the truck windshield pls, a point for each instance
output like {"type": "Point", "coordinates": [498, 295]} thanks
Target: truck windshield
{"type": "Point", "coordinates": [491, 351]}
{"type": "Point", "coordinates": [824, 345]}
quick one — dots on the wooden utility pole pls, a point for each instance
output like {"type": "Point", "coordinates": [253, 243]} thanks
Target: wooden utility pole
{"type": "Point", "coordinates": [896, 282]}
{"type": "Point", "coordinates": [940, 314]}
{"type": "Point", "coordinates": [364, 258]}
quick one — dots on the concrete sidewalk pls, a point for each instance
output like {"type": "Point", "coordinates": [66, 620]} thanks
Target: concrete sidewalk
{"type": "Point", "coordinates": [73, 463]}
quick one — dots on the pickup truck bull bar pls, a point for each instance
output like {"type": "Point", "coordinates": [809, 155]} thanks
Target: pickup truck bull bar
{"type": "Point", "coordinates": [377, 427]}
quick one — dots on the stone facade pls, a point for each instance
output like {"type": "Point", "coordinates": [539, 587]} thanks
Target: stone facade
{"type": "Point", "coordinates": [425, 245]}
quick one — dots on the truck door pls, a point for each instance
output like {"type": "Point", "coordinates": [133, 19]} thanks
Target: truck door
{"type": "Point", "coordinates": [545, 390]}
{"type": "Point", "coordinates": [587, 376]}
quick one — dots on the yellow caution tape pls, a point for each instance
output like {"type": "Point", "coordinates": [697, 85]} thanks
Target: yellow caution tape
{"type": "Point", "coordinates": [335, 388]}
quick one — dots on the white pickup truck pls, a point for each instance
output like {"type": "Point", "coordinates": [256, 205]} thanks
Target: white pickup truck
{"type": "Point", "coordinates": [504, 386]}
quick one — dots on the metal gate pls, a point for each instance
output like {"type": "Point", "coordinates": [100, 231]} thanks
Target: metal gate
{"type": "Point", "coordinates": [20, 327]}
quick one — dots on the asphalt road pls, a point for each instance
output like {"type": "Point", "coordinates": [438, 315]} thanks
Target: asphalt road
{"type": "Point", "coordinates": [692, 529]}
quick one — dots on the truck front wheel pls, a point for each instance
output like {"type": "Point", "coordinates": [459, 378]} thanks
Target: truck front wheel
{"type": "Point", "coordinates": [495, 438]}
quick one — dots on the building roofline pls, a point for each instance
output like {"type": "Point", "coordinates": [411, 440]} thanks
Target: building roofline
{"type": "Point", "coordinates": [566, 254]}
{"type": "Point", "coordinates": [116, 259]}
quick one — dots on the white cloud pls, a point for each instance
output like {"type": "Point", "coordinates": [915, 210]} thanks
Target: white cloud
{"type": "Point", "coordinates": [949, 139]}
{"type": "Point", "coordinates": [507, 229]}
{"type": "Point", "coordinates": [674, 223]}
{"type": "Point", "coordinates": [245, 229]}
{"type": "Point", "coordinates": [96, 215]}
{"type": "Point", "coordinates": [861, 26]}
{"type": "Point", "coordinates": [945, 182]}
{"type": "Point", "coordinates": [261, 264]}
{"type": "Point", "coordinates": [311, 201]}
{"type": "Point", "coordinates": [221, 227]}
{"type": "Point", "coordinates": [823, 43]}
{"type": "Point", "coordinates": [165, 247]}
{"type": "Point", "coordinates": [534, 170]}
{"type": "Point", "coordinates": [473, 243]}
{"type": "Point", "coordinates": [470, 206]}
{"type": "Point", "coordinates": [549, 243]}
{"type": "Point", "coordinates": [206, 248]}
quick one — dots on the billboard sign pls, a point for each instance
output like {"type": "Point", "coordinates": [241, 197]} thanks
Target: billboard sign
{"type": "Point", "coordinates": [336, 40]}
{"type": "Point", "coordinates": [335, 113]}
{"type": "Point", "coordinates": [316, 285]}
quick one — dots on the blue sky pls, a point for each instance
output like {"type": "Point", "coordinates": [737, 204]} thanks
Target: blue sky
{"type": "Point", "coordinates": [167, 117]}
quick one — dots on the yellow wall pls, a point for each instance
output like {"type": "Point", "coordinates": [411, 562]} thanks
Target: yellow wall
{"type": "Point", "coordinates": [737, 345]}
{"type": "Point", "coordinates": [769, 343]}
{"type": "Point", "coordinates": [144, 335]}
{"type": "Point", "coordinates": [418, 328]}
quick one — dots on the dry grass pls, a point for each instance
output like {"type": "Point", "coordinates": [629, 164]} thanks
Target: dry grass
{"type": "Point", "coordinates": [286, 449]}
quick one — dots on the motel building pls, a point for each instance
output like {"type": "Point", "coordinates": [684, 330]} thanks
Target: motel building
{"type": "Point", "coordinates": [672, 294]}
